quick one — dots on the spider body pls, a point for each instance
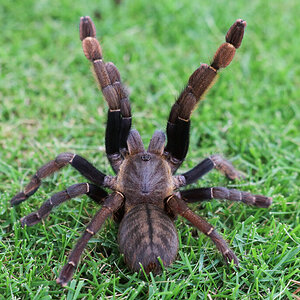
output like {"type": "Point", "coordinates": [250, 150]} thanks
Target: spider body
{"type": "Point", "coordinates": [145, 234]}
{"type": "Point", "coordinates": [146, 195]}
{"type": "Point", "coordinates": [144, 177]}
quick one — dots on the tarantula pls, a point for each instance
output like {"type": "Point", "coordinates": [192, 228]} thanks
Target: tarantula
{"type": "Point", "coordinates": [146, 196]}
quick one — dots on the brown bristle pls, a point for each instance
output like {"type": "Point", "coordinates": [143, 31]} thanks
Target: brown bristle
{"type": "Point", "coordinates": [125, 107]}
{"type": "Point", "coordinates": [235, 33]}
{"type": "Point", "coordinates": [111, 97]}
{"type": "Point", "coordinates": [201, 79]}
{"type": "Point", "coordinates": [187, 104]}
{"type": "Point", "coordinates": [86, 28]}
{"type": "Point", "coordinates": [113, 72]}
{"type": "Point", "coordinates": [101, 73]}
{"type": "Point", "coordinates": [92, 49]}
{"type": "Point", "coordinates": [157, 143]}
{"type": "Point", "coordinates": [223, 56]}
{"type": "Point", "coordinates": [262, 201]}
{"type": "Point", "coordinates": [134, 142]}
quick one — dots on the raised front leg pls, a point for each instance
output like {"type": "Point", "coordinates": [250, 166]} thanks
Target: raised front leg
{"type": "Point", "coordinates": [91, 190]}
{"type": "Point", "coordinates": [178, 206]}
{"type": "Point", "coordinates": [108, 77]}
{"type": "Point", "coordinates": [63, 159]}
{"type": "Point", "coordinates": [200, 81]}
{"type": "Point", "coordinates": [111, 204]}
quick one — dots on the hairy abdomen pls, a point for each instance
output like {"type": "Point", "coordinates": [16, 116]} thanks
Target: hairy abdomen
{"type": "Point", "coordinates": [145, 233]}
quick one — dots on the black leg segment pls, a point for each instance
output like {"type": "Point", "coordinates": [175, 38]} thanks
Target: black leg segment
{"type": "Point", "coordinates": [124, 132]}
{"type": "Point", "coordinates": [178, 139]}
{"type": "Point", "coordinates": [197, 172]}
{"type": "Point", "coordinates": [112, 140]}
{"type": "Point", "coordinates": [88, 170]}
{"type": "Point", "coordinates": [214, 161]}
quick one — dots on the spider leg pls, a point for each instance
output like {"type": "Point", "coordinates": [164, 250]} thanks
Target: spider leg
{"type": "Point", "coordinates": [201, 80]}
{"type": "Point", "coordinates": [91, 190]}
{"type": "Point", "coordinates": [197, 172]}
{"type": "Point", "coordinates": [203, 194]}
{"type": "Point", "coordinates": [179, 206]}
{"type": "Point", "coordinates": [213, 162]}
{"type": "Point", "coordinates": [76, 161]}
{"type": "Point", "coordinates": [226, 167]}
{"type": "Point", "coordinates": [109, 79]}
{"type": "Point", "coordinates": [111, 204]}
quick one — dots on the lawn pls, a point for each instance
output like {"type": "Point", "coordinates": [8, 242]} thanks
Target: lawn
{"type": "Point", "coordinates": [50, 104]}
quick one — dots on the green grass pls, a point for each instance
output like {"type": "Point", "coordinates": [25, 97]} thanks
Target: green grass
{"type": "Point", "coordinates": [50, 104]}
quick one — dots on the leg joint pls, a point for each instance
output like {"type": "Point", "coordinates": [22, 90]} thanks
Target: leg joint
{"type": "Point", "coordinates": [90, 231]}
{"type": "Point", "coordinates": [210, 231]}
{"type": "Point", "coordinates": [64, 158]}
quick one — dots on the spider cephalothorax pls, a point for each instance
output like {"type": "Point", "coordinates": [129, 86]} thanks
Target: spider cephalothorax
{"type": "Point", "coordinates": [146, 196]}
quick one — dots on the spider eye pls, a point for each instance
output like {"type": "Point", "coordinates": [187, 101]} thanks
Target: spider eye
{"type": "Point", "coordinates": [146, 157]}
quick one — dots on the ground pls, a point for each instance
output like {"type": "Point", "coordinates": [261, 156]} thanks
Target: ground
{"type": "Point", "coordinates": [50, 104]}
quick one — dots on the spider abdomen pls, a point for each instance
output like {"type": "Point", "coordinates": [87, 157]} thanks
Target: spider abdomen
{"type": "Point", "coordinates": [145, 234]}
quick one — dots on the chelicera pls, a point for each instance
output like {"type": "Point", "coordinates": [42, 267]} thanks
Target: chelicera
{"type": "Point", "coordinates": [146, 195]}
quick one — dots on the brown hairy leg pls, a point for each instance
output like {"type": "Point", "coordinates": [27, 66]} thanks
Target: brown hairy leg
{"type": "Point", "coordinates": [111, 204]}
{"type": "Point", "coordinates": [178, 206]}
{"type": "Point", "coordinates": [198, 84]}
{"type": "Point", "coordinates": [116, 96]}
